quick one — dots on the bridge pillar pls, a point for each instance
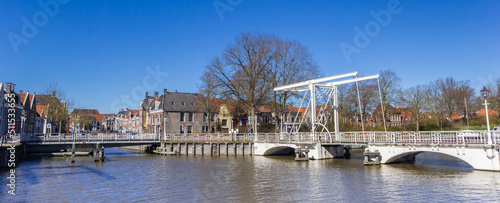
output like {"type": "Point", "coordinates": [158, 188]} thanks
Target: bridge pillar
{"type": "Point", "coordinates": [99, 153]}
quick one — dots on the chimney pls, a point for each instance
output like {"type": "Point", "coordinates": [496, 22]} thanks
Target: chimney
{"type": "Point", "coordinates": [164, 91]}
{"type": "Point", "coordinates": [9, 87]}
{"type": "Point", "coordinates": [127, 109]}
{"type": "Point", "coordinates": [20, 91]}
{"type": "Point", "coordinates": [53, 93]}
{"type": "Point", "coordinates": [121, 110]}
{"type": "Point", "coordinates": [175, 91]}
{"type": "Point", "coordinates": [156, 94]}
{"type": "Point", "coordinates": [146, 96]}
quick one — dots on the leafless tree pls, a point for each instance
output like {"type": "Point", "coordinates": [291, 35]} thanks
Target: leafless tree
{"type": "Point", "coordinates": [367, 97]}
{"type": "Point", "coordinates": [58, 105]}
{"type": "Point", "coordinates": [434, 100]}
{"type": "Point", "coordinates": [389, 88]}
{"type": "Point", "coordinates": [207, 99]}
{"type": "Point", "coordinates": [347, 103]}
{"type": "Point", "coordinates": [464, 95]}
{"type": "Point", "coordinates": [242, 71]}
{"type": "Point", "coordinates": [494, 97]}
{"type": "Point", "coordinates": [415, 98]}
{"type": "Point", "coordinates": [448, 87]}
{"type": "Point", "coordinates": [292, 62]}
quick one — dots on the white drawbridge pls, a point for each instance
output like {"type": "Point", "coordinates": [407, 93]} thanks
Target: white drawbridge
{"type": "Point", "coordinates": [480, 149]}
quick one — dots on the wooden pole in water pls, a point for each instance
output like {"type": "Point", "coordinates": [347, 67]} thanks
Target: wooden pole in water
{"type": "Point", "coordinates": [73, 149]}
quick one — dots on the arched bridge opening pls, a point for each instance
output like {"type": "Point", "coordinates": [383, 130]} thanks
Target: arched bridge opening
{"type": "Point", "coordinates": [429, 157]}
{"type": "Point", "coordinates": [280, 150]}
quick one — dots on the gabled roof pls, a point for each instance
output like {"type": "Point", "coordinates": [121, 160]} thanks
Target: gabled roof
{"type": "Point", "coordinates": [151, 106]}
{"type": "Point", "coordinates": [146, 102]}
{"type": "Point", "coordinates": [85, 111]}
{"type": "Point", "coordinates": [41, 109]}
{"type": "Point", "coordinates": [23, 97]}
{"type": "Point", "coordinates": [179, 102]}
{"type": "Point", "coordinates": [43, 99]}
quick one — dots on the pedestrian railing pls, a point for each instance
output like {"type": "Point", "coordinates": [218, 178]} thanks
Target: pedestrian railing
{"type": "Point", "coordinates": [355, 138]}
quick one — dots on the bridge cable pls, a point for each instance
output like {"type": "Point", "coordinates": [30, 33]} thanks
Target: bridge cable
{"type": "Point", "coordinates": [381, 104]}
{"type": "Point", "coordinates": [300, 107]}
{"type": "Point", "coordinates": [359, 104]}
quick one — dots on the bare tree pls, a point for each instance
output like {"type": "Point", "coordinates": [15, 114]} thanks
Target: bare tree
{"type": "Point", "coordinates": [464, 95]}
{"type": "Point", "coordinates": [494, 97]}
{"type": "Point", "coordinates": [347, 103]}
{"type": "Point", "coordinates": [292, 62]}
{"type": "Point", "coordinates": [58, 105]}
{"type": "Point", "coordinates": [415, 98]}
{"type": "Point", "coordinates": [448, 88]}
{"type": "Point", "coordinates": [434, 100]}
{"type": "Point", "coordinates": [367, 97]}
{"type": "Point", "coordinates": [242, 71]}
{"type": "Point", "coordinates": [207, 101]}
{"type": "Point", "coordinates": [389, 88]}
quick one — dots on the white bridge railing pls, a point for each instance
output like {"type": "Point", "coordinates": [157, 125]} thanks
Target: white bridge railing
{"type": "Point", "coordinates": [100, 137]}
{"type": "Point", "coordinates": [360, 138]}
{"type": "Point", "coordinates": [356, 138]}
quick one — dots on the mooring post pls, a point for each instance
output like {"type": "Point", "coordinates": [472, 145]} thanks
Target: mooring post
{"type": "Point", "coordinates": [102, 153]}
{"type": "Point", "coordinates": [73, 149]}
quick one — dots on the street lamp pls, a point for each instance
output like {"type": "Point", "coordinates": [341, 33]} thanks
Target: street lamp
{"type": "Point", "coordinates": [484, 93]}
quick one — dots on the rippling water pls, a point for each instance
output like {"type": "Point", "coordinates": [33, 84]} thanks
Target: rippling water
{"type": "Point", "coordinates": [129, 176]}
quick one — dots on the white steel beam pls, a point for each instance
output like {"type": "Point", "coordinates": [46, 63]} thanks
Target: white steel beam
{"type": "Point", "coordinates": [314, 81]}
{"type": "Point", "coordinates": [332, 84]}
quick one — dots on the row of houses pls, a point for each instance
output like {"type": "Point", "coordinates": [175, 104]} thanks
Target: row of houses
{"type": "Point", "coordinates": [27, 113]}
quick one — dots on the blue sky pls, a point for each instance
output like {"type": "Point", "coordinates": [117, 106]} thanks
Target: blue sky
{"type": "Point", "coordinates": [98, 51]}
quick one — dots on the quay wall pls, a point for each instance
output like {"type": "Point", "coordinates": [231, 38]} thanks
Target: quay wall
{"type": "Point", "coordinates": [207, 148]}
{"type": "Point", "coordinates": [9, 154]}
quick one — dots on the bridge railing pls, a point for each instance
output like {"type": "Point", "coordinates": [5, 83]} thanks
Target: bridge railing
{"type": "Point", "coordinates": [361, 138]}
{"type": "Point", "coordinates": [87, 137]}
{"type": "Point", "coordinates": [209, 137]}
{"type": "Point", "coordinates": [408, 137]}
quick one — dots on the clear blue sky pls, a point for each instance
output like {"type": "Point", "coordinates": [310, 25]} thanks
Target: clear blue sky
{"type": "Point", "coordinates": [98, 51]}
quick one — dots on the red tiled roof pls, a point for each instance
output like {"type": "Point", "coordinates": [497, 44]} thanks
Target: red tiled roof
{"type": "Point", "coordinates": [482, 112]}
{"type": "Point", "coordinates": [23, 96]}
{"type": "Point", "coordinates": [216, 102]}
{"type": "Point", "coordinates": [153, 102]}
{"type": "Point", "coordinates": [40, 108]}
{"type": "Point", "coordinates": [98, 117]}
{"type": "Point", "coordinates": [455, 116]}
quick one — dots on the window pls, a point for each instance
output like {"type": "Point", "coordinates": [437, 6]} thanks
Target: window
{"type": "Point", "coordinates": [182, 129]}
{"type": "Point", "coordinates": [224, 122]}
{"type": "Point", "coordinates": [266, 119]}
{"type": "Point", "coordinates": [205, 117]}
{"type": "Point", "coordinates": [204, 129]}
{"type": "Point", "coordinates": [183, 104]}
{"type": "Point", "coordinates": [190, 117]}
{"type": "Point", "coordinates": [182, 116]}
{"type": "Point", "coordinates": [173, 103]}
{"type": "Point", "coordinates": [190, 129]}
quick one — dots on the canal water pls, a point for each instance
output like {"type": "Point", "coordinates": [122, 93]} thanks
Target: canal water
{"type": "Point", "coordinates": [129, 176]}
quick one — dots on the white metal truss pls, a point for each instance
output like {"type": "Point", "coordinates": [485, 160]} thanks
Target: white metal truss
{"type": "Point", "coordinates": [324, 83]}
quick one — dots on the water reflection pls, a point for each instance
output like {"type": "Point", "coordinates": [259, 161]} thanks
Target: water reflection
{"type": "Point", "coordinates": [127, 176]}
